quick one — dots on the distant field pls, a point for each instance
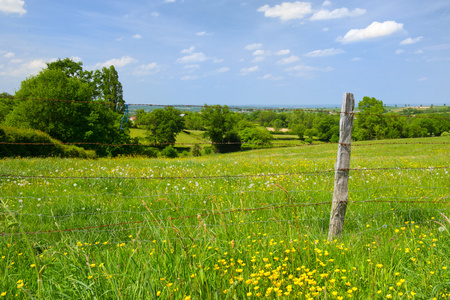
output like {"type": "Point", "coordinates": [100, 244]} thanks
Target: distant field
{"type": "Point", "coordinates": [243, 225]}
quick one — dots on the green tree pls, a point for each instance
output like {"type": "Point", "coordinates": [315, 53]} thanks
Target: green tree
{"type": "Point", "coordinates": [61, 120]}
{"type": "Point", "coordinates": [370, 124]}
{"type": "Point", "coordinates": [109, 88]}
{"type": "Point", "coordinates": [255, 138]}
{"type": "Point", "coordinates": [80, 119]}
{"type": "Point", "coordinates": [163, 125]}
{"type": "Point", "coordinates": [194, 121]}
{"type": "Point", "coordinates": [299, 129]}
{"type": "Point", "coordinates": [6, 105]}
{"type": "Point", "coordinates": [328, 127]}
{"type": "Point", "coordinates": [220, 125]}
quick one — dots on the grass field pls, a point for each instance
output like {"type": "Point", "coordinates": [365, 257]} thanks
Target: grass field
{"type": "Point", "coordinates": [244, 225]}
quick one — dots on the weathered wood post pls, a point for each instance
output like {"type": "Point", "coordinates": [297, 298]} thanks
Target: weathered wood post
{"type": "Point", "coordinates": [340, 195]}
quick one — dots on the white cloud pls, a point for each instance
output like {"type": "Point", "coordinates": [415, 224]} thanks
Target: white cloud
{"type": "Point", "coordinates": [253, 46]}
{"type": "Point", "coordinates": [246, 71]}
{"type": "Point", "coordinates": [9, 54]}
{"type": "Point", "coordinates": [303, 68]}
{"type": "Point", "coordinates": [325, 29]}
{"type": "Point", "coordinates": [203, 33]}
{"type": "Point", "coordinates": [356, 59]}
{"type": "Point", "coordinates": [192, 66]}
{"type": "Point", "coordinates": [189, 50]}
{"type": "Point", "coordinates": [258, 59]}
{"type": "Point", "coordinates": [325, 14]}
{"type": "Point", "coordinates": [218, 60]}
{"type": "Point", "coordinates": [137, 36]}
{"type": "Point", "coordinates": [271, 77]}
{"type": "Point", "coordinates": [258, 52]}
{"type": "Point", "coordinates": [287, 10]}
{"type": "Point", "coordinates": [76, 58]}
{"type": "Point", "coordinates": [148, 69]}
{"type": "Point", "coordinates": [12, 6]}
{"type": "Point", "coordinates": [418, 51]}
{"type": "Point", "coordinates": [155, 14]}
{"type": "Point", "coordinates": [288, 60]}
{"type": "Point", "coordinates": [189, 77]}
{"type": "Point", "coordinates": [26, 69]}
{"type": "Point", "coordinates": [222, 70]}
{"type": "Point", "coordinates": [195, 57]}
{"type": "Point", "coordinates": [374, 30]}
{"type": "Point", "coordinates": [117, 62]}
{"type": "Point", "coordinates": [326, 3]}
{"type": "Point", "coordinates": [399, 51]}
{"type": "Point", "coordinates": [16, 61]}
{"type": "Point", "coordinates": [283, 52]}
{"type": "Point", "coordinates": [169, 1]}
{"type": "Point", "coordinates": [324, 52]}
{"type": "Point", "coordinates": [410, 41]}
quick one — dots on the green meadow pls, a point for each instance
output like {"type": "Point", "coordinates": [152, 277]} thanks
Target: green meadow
{"type": "Point", "coordinates": [244, 225]}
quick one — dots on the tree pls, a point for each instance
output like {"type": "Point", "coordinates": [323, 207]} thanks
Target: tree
{"type": "Point", "coordinates": [255, 138]}
{"type": "Point", "coordinates": [81, 118]}
{"type": "Point", "coordinates": [327, 128]}
{"type": "Point", "coordinates": [110, 88]}
{"type": "Point", "coordinates": [220, 125]}
{"type": "Point", "coordinates": [299, 130]}
{"type": "Point", "coordinates": [370, 123]}
{"type": "Point", "coordinates": [6, 105]}
{"type": "Point", "coordinates": [194, 121]}
{"type": "Point", "coordinates": [163, 125]}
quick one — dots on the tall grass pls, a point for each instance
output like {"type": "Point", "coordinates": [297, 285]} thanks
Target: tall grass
{"type": "Point", "coordinates": [235, 226]}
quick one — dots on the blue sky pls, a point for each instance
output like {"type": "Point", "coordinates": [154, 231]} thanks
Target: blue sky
{"type": "Point", "coordinates": [239, 52]}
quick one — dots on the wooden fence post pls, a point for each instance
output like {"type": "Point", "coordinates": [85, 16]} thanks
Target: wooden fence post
{"type": "Point", "coordinates": [340, 195]}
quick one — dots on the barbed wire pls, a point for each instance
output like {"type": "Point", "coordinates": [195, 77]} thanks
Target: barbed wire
{"type": "Point", "coordinates": [231, 211]}
{"type": "Point", "coordinates": [430, 168]}
{"type": "Point", "coordinates": [273, 145]}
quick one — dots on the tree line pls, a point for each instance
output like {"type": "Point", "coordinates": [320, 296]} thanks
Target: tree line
{"type": "Point", "coordinates": [95, 108]}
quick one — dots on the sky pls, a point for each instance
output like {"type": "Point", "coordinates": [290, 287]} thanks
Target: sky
{"type": "Point", "coordinates": [239, 52]}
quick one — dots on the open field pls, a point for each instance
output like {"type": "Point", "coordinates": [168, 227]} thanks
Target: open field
{"type": "Point", "coordinates": [244, 225]}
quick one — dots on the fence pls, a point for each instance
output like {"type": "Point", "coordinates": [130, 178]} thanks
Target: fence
{"type": "Point", "coordinates": [76, 216]}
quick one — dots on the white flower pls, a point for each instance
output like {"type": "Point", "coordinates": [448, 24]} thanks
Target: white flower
{"type": "Point", "coordinates": [441, 229]}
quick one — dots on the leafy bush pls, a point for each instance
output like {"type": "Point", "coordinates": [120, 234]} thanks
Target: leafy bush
{"type": "Point", "coordinates": [47, 145]}
{"type": "Point", "coordinates": [196, 150]}
{"type": "Point", "coordinates": [255, 138]}
{"type": "Point", "coordinates": [169, 152]}
{"type": "Point", "coordinates": [208, 150]}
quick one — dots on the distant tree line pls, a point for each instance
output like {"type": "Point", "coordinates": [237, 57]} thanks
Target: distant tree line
{"type": "Point", "coordinates": [95, 107]}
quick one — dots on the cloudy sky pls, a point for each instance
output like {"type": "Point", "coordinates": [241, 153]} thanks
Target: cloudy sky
{"type": "Point", "coordinates": [239, 52]}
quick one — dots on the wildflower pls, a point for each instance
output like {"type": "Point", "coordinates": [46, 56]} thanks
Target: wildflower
{"type": "Point", "coordinates": [3, 294]}
{"type": "Point", "coordinates": [249, 294]}
{"type": "Point", "coordinates": [32, 266]}
{"type": "Point", "coordinates": [158, 293]}
{"type": "Point", "coordinates": [389, 296]}
{"type": "Point", "coordinates": [379, 266]}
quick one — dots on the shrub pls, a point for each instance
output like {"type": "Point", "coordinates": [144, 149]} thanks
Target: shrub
{"type": "Point", "coordinates": [169, 152]}
{"type": "Point", "coordinates": [196, 150]}
{"type": "Point", "coordinates": [254, 138]}
{"type": "Point", "coordinates": [208, 150]}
